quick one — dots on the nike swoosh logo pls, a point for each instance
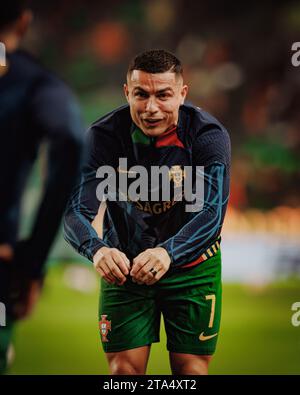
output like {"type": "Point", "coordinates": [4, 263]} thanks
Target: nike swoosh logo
{"type": "Point", "coordinates": [203, 338]}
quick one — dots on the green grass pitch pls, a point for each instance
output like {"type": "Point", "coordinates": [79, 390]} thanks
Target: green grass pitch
{"type": "Point", "coordinates": [256, 336]}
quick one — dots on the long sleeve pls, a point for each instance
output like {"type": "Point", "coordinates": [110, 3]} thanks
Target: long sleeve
{"type": "Point", "coordinates": [84, 204]}
{"type": "Point", "coordinates": [56, 118]}
{"type": "Point", "coordinates": [211, 150]}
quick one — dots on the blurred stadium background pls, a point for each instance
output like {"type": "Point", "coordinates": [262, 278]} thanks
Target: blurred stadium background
{"type": "Point", "coordinates": [237, 60]}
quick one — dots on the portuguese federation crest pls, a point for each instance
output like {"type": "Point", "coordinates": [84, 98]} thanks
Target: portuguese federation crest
{"type": "Point", "coordinates": [177, 174]}
{"type": "Point", "coordinates": [104, 326]}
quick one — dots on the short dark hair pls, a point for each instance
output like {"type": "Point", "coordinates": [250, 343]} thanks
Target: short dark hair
{"type": "Point", "coordinates": [156, 61]}
{"type": "Point", "coordinates": [11, 11]}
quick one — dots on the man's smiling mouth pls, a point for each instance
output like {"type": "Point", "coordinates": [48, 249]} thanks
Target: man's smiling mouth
{"type": "Point", "coordinates": [152, 121]}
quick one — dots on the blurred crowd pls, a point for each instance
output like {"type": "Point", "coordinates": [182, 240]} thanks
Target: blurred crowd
{"type": "Point", "coordinates": [237, 60]}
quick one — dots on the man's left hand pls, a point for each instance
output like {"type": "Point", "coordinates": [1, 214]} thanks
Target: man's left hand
{"type": "Point", "coordinates": [25, 289]}
{"type": "Point", "coordinates": [25, 297]}
{"type": "Point", "coordinates": [150, 265]}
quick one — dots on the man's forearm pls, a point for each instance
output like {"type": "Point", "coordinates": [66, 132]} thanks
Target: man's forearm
{"type": "Point", "coordinates": [195, 236]}
{"type": "Point", "coordinates": [62, 175]}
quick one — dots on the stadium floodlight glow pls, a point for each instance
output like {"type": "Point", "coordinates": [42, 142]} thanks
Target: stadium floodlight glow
{"type": "Point", "coordinates": [154, 182]}
{"type": "Point", "coordinates": [2, 314]}
{"type": "Point", "coordinates": [2, 55]}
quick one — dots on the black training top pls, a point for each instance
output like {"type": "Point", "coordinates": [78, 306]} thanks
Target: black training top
{"type": "Point", "coordinates": [132, 226]}
{"type": "Point", "coordinates": [36, 106]}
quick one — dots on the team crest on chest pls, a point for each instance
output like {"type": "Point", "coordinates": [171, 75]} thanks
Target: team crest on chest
{"type": "Point", "coordinates": [177, 175]}
{"type": "Point", "coordinates": [104, 326]}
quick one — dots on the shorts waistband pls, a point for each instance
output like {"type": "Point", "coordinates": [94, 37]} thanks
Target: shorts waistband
{"type": "Point", "coordinates": [208, 253]}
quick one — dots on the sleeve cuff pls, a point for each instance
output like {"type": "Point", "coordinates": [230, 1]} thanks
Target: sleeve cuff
{"type": "Point", "coordinates": [90, 247]}
{"type": "Point", "coordinates": [165, 245]}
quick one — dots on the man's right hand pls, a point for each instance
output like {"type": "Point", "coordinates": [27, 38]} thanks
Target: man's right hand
{"type": "Point", "coordinates": [112, 265]}
{"type": "Point", "coordinates": [23, 290]}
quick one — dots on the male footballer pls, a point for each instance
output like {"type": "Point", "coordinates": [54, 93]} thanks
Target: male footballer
{"type": "Point", "coordinates": [155, 257]}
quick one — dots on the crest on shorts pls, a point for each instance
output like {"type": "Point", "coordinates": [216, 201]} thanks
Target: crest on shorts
{"type": "Point", "coordinates": [104, 326]}
{"type": "Point", "coordinates": [176, 174]}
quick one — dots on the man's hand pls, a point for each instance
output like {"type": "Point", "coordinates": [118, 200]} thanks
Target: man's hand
{"type": "Point", "coordinates": [23, 290]}
{"type": "Point", "coordinates": [25, 297]}
{"type": "Point", "coordinates": [150, 265]}
{"type": "Point", "coordinates": [112, 265]}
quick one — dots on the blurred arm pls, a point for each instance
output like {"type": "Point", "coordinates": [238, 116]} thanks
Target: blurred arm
{"type": "Point", "coordinates": [56, 117]}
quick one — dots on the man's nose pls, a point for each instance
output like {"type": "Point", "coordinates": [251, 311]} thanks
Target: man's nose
{"type": "Point", "coordinates": [151, 105]}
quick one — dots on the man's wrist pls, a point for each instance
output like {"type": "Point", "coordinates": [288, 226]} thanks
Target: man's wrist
{"type": "Point", "coordinates": [167, 252]}
{"type": "Point", "coordinates": [99, 254]}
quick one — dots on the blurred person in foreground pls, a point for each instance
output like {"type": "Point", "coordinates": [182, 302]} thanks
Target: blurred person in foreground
{"type": "Point", "coordinates": [154, 256]}
{"type": "Point", "coordinates": [35, 106]}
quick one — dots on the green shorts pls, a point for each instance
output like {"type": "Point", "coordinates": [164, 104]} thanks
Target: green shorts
{"type": "Point", "coordinates": [188, 299]}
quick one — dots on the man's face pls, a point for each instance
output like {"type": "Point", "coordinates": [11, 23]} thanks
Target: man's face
{"type": "Point", "coordinates": [154, 100]}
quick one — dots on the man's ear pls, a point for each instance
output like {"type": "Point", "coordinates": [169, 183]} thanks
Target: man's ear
{"type": "Point", "coordinates": [126, 91]}
{"type": "Point", "coordinates": [184, 92]}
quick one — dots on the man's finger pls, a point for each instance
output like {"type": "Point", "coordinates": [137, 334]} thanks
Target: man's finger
{"type": "Point", "coordinates": [105, 276]}
{"type": "Point", "coordinates": [114, 269]}
{"type": "Point", "coordinates": [139, 262]}
{"type": "Point", "coordinates": [108, 273]}
{"type": "Point", "coordinates": [151, 274]}
{"type": "Point", "coordinates": [160, 273]}
{"type": "Point", "coordinates": [126, 260]}
{"type": "Point", "coordinates": [121, 262]}
{"type": "Point", "coordinates": [145, 271]}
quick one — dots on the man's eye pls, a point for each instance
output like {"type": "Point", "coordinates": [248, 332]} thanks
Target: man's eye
{"type": "Point", "coordinates": [141, 94]}
{"type": "Point", "coordinates": [163, 96]}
